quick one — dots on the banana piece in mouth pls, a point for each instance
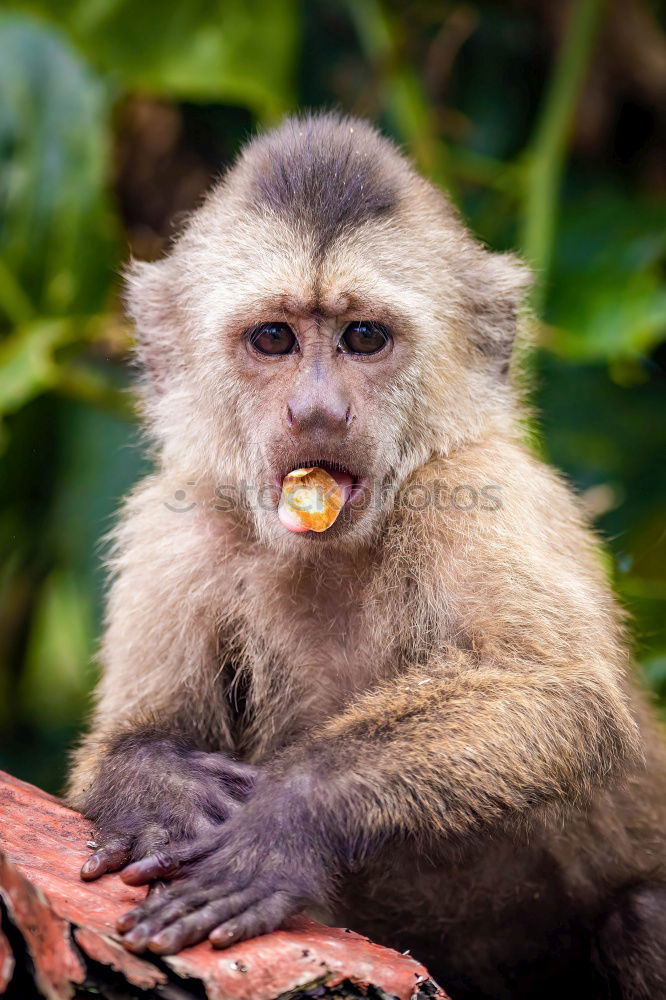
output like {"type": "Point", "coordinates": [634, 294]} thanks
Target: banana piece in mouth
{"type": "Point", "coordinates": [311, 499]}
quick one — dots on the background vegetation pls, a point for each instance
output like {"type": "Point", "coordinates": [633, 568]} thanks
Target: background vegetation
{"type": "Point", "coordinates": [546, 123]}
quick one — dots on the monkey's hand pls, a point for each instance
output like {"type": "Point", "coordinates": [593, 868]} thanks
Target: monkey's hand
{"type": "Point", "coordinates": [159, 796]}
{"type": "Point", "coordinates": [268, 862]}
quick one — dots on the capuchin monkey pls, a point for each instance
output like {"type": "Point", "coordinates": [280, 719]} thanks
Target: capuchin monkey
{"type": "Point", "coordinates": [422, 720]}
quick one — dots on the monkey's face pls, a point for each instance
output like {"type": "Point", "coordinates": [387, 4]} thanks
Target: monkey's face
{"type": "Point", "coordinates": [327, 375]}
{"type": "Point", "coordinates": [322, 365]}
{"type": "Point", "coordinates": [289, 359]}
{"type": "Point", "coordinates": [324, 307]}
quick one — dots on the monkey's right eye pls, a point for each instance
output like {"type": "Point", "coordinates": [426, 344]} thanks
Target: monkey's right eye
{"type": "Point", "coordinates": [273, 338]}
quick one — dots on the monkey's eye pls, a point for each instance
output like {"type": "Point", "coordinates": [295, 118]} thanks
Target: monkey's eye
{"type": "Point", "coordinates": [364, 338]}
{"type": "Point", "coordinates": [273, 338]}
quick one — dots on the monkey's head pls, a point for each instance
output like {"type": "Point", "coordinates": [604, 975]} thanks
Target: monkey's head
{"type": "Point", "coordinates": [324, 306]}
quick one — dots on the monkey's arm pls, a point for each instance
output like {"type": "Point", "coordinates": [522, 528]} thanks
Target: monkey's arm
{"type": "Point", "coordinates": [457, 746]}
{"type": "Point", "coordinates": [142, 775]}
{"type": "Point", "coordinates": [447, 752]}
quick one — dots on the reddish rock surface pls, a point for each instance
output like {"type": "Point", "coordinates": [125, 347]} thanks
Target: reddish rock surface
{"type": "Point", "coordinates": [59, 931]}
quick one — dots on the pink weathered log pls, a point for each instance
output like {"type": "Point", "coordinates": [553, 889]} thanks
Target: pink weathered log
{"type": "Point", "coordinates": [66, 928]}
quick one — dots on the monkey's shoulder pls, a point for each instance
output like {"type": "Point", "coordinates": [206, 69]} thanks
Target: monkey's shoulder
{"type": "Point", "coordinates": [492, 489]}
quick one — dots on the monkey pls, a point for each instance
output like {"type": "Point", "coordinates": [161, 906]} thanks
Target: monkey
{"type": "Point", "coordinates": [424, 721]}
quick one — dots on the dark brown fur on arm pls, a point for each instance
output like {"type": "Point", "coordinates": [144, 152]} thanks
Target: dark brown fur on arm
{"type": "Point", "coordinates": [457, 746]}
{"type": "Point", "coordinates": [153, 790]}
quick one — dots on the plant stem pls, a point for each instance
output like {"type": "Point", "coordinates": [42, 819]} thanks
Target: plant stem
{"type": "Point", "coordinates": [546, 154]}
{"type": "Point", "coordinates": [15, 304]}
{"type": "Point", "coordinates": [406, 104]}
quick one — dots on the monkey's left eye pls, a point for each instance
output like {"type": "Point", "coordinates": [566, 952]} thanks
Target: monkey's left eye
{"type": "Point", "coordinates": [364, 338]}
{"type": "Point", "coordinates": [273, 338]}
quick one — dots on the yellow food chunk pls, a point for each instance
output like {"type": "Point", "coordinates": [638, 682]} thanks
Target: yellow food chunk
{"type": "Point", "coordinates": [313, 497]}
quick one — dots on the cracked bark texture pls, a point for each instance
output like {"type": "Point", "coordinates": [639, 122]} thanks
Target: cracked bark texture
{"type": "Point", "coordinates": [57, 937]}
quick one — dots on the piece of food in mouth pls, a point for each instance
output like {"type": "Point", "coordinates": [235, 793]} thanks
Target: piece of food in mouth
{"type": "Point", "coordinates": [311, 499]}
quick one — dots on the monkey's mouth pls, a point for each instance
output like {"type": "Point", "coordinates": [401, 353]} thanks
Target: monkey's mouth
{"type": "Point", "coordinates": [349, 486]}
{"type": "Point", "coordinates": [349, 481]}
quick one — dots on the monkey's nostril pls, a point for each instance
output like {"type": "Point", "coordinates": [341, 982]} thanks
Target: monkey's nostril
{"type": "Point", "coordinates": [290, 416]}
{"type": "Point", "coordinates": [349, 415]}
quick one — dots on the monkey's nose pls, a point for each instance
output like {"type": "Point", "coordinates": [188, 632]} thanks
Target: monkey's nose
{"type": "Point", "coordinates": [332, 415]}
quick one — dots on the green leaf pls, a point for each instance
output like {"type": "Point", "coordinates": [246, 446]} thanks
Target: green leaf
{"type": "Point", "coordinates": [608, 297]}
{"type": "Point", "coordinates": [56, 676]}
{"type": "Point", "coordinates": [655, 671]}
{"type": "Point", "coordinates": [14, 302]}
{"type": "Point", "coordinates": [236, 51]}
{"type": "Point", "coordinates": [57, 233]}
{"type": "Point", "coordinates": [27, 364]}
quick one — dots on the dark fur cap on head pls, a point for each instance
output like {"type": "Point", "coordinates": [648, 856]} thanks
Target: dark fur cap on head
{"type": "Point", "coordinates": [325, 169]}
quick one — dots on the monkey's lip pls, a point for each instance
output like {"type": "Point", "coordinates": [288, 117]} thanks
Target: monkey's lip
{"type": "Point", "coordinates": [350, 482]}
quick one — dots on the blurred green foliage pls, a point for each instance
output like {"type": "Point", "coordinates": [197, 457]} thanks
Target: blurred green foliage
{"type": "Point", "coordinates": [114, 116]}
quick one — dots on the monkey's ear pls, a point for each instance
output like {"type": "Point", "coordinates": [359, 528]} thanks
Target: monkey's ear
{"type": "Point", "coordinates": [150, 301]}
{"type": "Point", "coordinates": [498, 292]}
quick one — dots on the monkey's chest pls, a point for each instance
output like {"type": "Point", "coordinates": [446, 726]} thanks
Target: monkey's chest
{"type": "Point", "coordinates": [281, 683]}
{"type": "Point", "coordinates": [299, 645]}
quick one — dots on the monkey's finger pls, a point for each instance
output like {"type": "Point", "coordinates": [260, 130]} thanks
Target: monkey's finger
{"type": "Point", "coordinates": [157, 889]}
{"type": "Point", "coordinates": [114, 855]}
{"type": "Point", "coordinates": [154, 915]}
{"type": "Point", "coordinates": [261, 918]}
{"type": "Point", "coordinates": [161, 864]}
{"type": "Point", "coordinates": [219, 807]}
{"type": "Point", "coordinates": [180, 898]}
{"type": "Point", "coordinates": [220, 764]}
{"type": "Point", "coordinates": [194, 927]}
{"type": "Point", "coordinates": [206, 826]}
{"type": "Point", "coordinates": [164, 911]}
{"type": "Point", "coordinates": [168, 862]}
{"type": "Point", "coordinates": [150, 841]}
{"type": "Point", "coordinates": [151, 904]}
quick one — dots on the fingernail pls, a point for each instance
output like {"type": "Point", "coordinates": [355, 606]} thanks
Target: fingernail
{"type": "Point", "coordinates": [126, 922]}
{"type": "Point", "coordinates": [137, 938]}
{"type": "Point", "coordinates": [134, 874]}
{"type": "Point", "coordinates": [163, 942]}
{"type": "Point", "coordinates": [222, 938]}
{"type": "Point", "coordinates": [90, 866]}
{"type": "Point", "coordinates": [145, 870]}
